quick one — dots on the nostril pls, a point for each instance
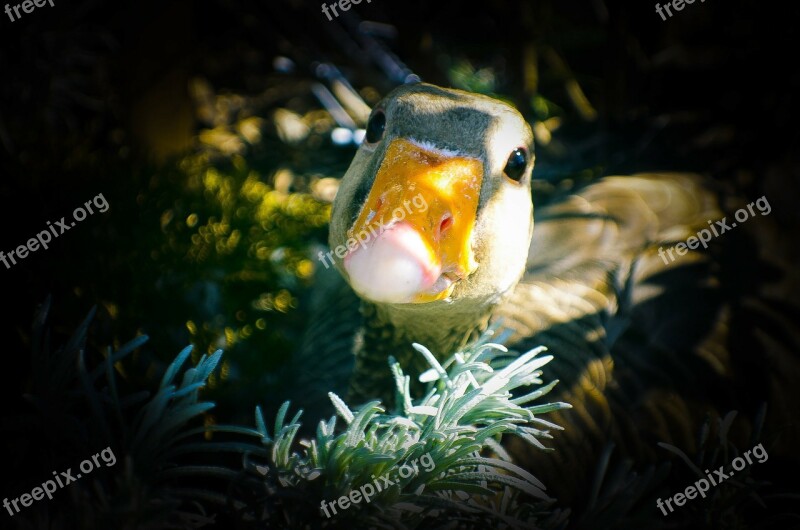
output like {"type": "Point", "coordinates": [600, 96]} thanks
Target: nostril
{"type": "Point", "coordinates": [447, 222]}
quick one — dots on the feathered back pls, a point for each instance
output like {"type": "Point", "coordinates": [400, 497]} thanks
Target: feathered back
{"type": "Point", "coordinates": [646, 346]}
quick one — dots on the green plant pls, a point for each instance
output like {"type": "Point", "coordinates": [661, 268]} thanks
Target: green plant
{"type": "Point", "coordinates": [470, 403]}
{"type": "Point", "coordinates": [162, 477]}
{"type": "Point", "coordinates": [176, 469]}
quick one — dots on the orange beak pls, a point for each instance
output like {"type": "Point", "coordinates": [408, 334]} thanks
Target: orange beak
{"type": "Point", "coordinates": [414, 232]}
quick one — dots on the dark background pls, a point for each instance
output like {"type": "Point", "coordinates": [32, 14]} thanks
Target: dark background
{"type": "Point", "coordinates": [181, 115]}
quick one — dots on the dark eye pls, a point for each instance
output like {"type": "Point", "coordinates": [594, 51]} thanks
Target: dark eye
{"type": "Point", "coordinates": [516, 165]}
{"type": "Point", "coordinates": [375, 127]}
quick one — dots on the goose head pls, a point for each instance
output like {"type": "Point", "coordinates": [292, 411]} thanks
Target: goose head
{"type": "Point", "coordinates": [435, 208]}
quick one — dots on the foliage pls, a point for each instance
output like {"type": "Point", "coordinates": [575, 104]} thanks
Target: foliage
{"type": "Point", "coordinates": [172, 471]}
{"type": "Point", "coordinates": [470, 403]}
{"type": "Point", "coordinates": [159, 451]}
{"type": "Point", "coordinates": [731, 503]}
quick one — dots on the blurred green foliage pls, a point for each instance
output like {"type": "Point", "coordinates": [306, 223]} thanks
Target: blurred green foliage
{"type": "Point", "coordinates": [227, 244]}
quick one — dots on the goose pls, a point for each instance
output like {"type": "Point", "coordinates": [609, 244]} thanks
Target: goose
{"type": "Point", "coordinates": [433, 238]}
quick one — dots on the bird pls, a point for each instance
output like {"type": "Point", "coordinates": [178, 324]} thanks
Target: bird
{"type": "Point", "coordinates": [434, 237]}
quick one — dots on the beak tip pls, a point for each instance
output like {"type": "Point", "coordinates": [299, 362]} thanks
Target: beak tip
{"type": "Point", "coordinates": [393, 268]}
